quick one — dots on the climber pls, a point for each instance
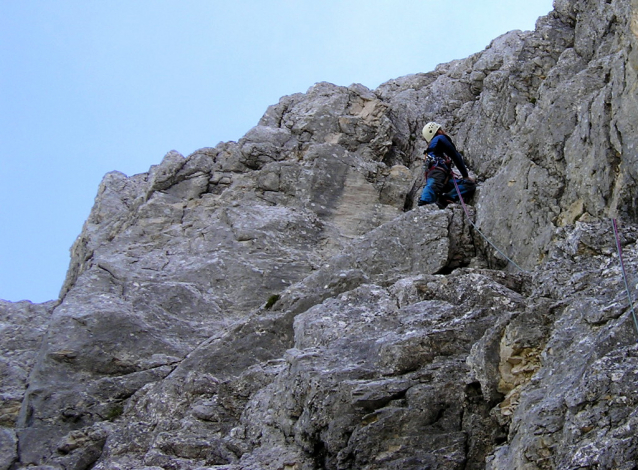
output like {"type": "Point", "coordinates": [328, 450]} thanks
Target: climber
{"type": "Point", "coordinates": [439, 157]}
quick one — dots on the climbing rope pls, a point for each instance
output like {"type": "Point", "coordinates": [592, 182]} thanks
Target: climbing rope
{"type": "Point", "coordinates": [467, 214]}
{"type": "Point", "coordinates": [618, 246]}
{"type": "Point", "coordinates": [624, 274]}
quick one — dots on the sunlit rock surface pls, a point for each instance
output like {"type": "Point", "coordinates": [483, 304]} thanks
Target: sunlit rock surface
{"type": "Point", "coordinates": [281, 303]}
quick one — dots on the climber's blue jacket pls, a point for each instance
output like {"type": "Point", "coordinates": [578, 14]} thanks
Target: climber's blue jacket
{"type": "Point", "coordinates": [441, 146]}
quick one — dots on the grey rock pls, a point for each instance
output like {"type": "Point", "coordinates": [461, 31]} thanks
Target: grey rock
{"type": "Point", "coordinates": [553, 418]}
{"type": "Point", "coordinates": [8, 448]}
{"type": "Point", "coordinates": [22, 328]}
{"type": "Point", "coordinates": [280, 303]}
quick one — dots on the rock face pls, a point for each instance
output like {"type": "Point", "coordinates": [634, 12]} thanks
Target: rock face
{"type": "Point", "coordinates": [22, 327]}
{"type": "Point", "coordinates": [280, 302]}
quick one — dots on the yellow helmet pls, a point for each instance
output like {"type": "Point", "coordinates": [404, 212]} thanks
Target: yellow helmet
{"type": "Point", "coordinates": [430, 130]}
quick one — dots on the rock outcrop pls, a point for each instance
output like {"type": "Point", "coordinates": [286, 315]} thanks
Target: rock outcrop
{"type": "Point", "coordinates": [280, 302]}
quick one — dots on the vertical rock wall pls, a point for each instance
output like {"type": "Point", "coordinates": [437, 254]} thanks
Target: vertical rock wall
{"type": "Point", "coordinates": [279, 302]}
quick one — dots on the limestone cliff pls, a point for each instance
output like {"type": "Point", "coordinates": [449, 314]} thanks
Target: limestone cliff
{"type": "Point", "coordinates": [280, 302]}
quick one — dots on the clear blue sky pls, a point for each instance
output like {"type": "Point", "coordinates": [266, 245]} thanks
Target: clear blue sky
{"type": "Point", "coordinates": [87, 87]}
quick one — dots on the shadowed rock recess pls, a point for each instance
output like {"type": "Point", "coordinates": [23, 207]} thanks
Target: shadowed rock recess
{"type": "Point", "coordinates": [280, 303]}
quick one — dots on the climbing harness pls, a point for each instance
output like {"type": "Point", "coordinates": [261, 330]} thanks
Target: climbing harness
{"type": "Point", "coordinates": [432, 162]}
{"type": "Point", "coordinates": [624, 274]}
{"type": "Point", "coordinates": [458, 191]}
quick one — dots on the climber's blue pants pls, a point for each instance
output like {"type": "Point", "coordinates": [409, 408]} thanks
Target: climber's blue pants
{"type": "Point", "coordinates": [434, 186]}
{"type": "Point", "coordinates": [466, 189]}
{"type": "Point", "coordinates": [438, 185]}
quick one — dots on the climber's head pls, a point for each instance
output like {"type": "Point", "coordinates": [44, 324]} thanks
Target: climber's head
{"type": "Point", "coordinates": [430, 130]}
